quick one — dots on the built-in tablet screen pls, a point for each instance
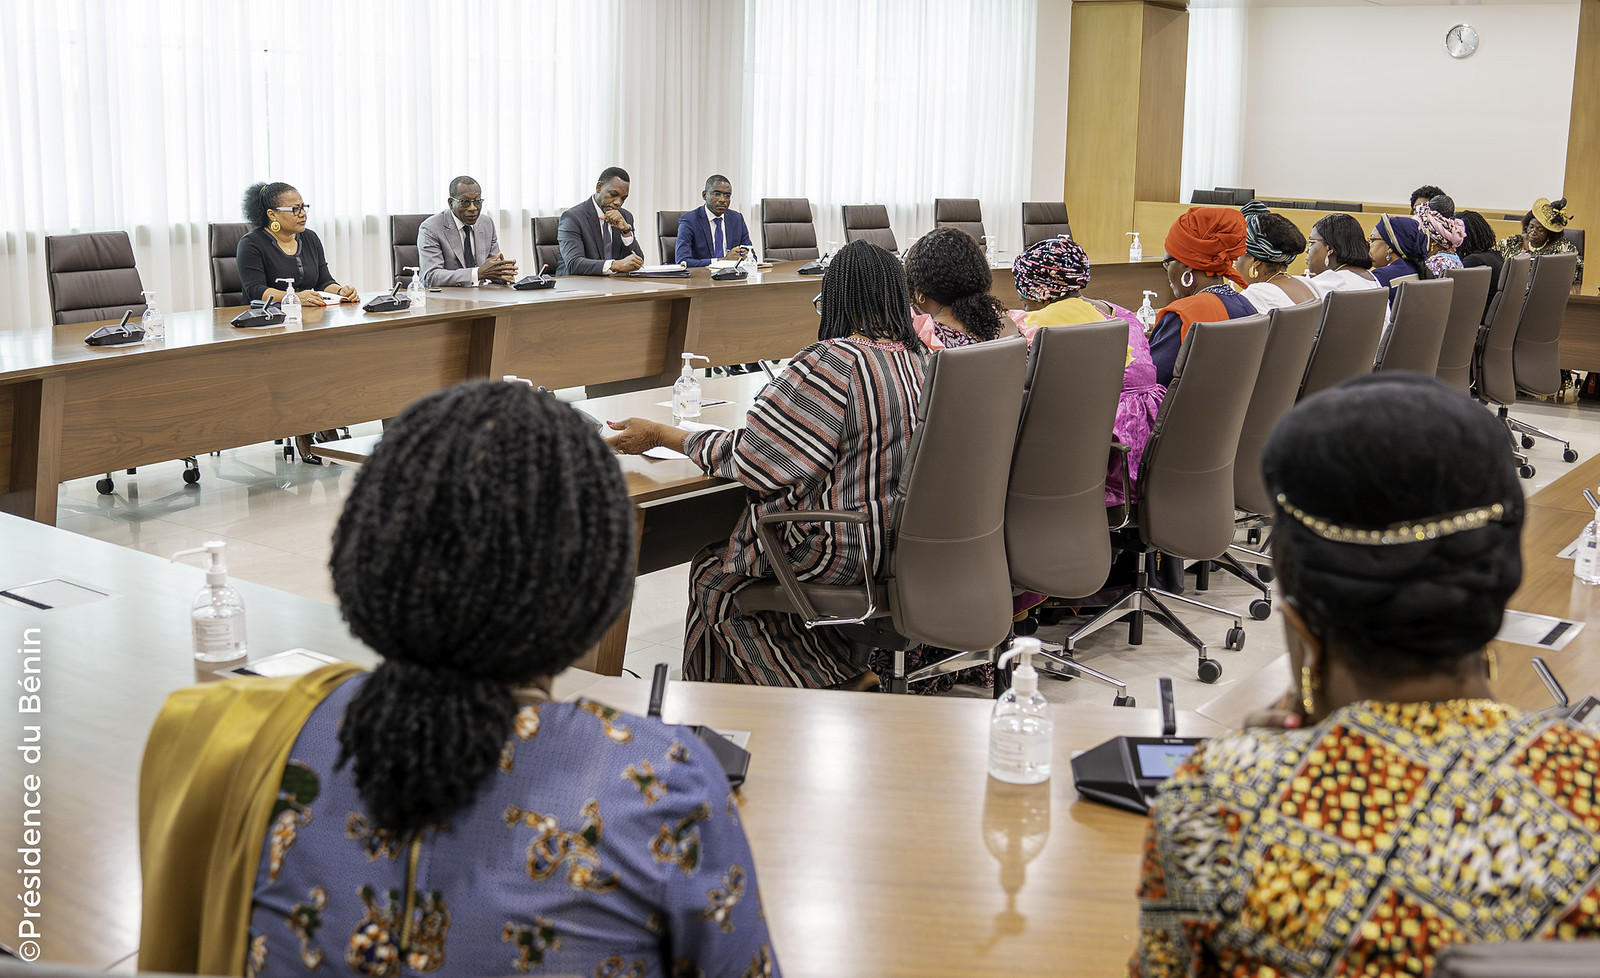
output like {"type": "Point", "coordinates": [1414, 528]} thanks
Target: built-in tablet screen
{"type": "Point", "coordinates": [1157, 760]}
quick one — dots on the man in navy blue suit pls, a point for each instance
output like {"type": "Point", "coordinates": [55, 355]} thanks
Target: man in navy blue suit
{"type": "Point", "coordinates": [713, 231]}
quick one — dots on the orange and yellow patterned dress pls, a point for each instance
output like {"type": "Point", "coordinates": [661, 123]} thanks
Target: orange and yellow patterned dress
{"type": "Point", "coordinates": [1364, 844]}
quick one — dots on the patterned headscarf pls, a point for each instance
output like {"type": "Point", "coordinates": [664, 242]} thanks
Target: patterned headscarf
{"type": "Point", "coordinates": [1448, 231]}
{"type": "Point", "coordinates": [1553, 216]}
{"type": "Point", "coordinates": [1049, 269]}
{"type": "Point", "coordinates": [1209, 240]}
{"type": "Point", "coordinates": [1256, 244]}
{"type": "Point", "coordinates": [1405, 237]}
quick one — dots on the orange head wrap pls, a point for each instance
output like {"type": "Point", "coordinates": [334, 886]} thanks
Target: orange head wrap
{"type": "Point", "coordinates": [1208, 240]}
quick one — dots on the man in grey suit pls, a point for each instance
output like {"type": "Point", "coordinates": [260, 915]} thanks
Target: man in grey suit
{"type": "Point", "coordinates": [454, 243]}
{"type": "Point", "coordinates": [596, 237]}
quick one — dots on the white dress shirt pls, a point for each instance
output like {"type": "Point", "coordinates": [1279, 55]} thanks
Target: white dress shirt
{"type": "Point", "coordinates": [627, 239]}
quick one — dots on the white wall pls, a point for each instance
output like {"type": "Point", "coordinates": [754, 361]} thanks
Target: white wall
{"type": "Point", "coordinates": [1052, 41]}
{"type": "Point", "coordinates": [1362, 103]}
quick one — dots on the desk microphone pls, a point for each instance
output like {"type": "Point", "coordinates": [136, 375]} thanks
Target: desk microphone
{"type": "Point", "coordinates": [1169, 709]}
{"type": "Point", "coordinates": [117, 335]}
{"type": "Point", "coordinates": [388, 301]}
{"type": "Point", "coordinates": [735, 760]}
{"type": "Point", "coordinates": [733, 274]}
{"type": "Point", "coordinates": [539, 281]}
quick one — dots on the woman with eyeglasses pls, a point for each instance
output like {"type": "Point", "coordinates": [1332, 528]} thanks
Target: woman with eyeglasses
{"type": "Point", "coordinates": [1337, 256]}
{"type": "Point", "coordinates": [1202, 246]}
{"type": "Point", "coordinates": [280, 246]}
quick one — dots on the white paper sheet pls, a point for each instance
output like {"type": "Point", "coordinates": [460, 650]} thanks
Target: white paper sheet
{"type": "Point", "coordinates": [666, 453]}
{"type": "Point", "coordinates": [1539, 631]}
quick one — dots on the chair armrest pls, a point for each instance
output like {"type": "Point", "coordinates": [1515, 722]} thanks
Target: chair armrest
{"type": "Point", "coordinates": [778, 558]}
{"type": "Point", "coordinates": [1123, 452]}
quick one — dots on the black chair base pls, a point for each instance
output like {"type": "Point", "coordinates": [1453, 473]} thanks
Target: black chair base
{"type": "Point", "coordinates": [1139, 600]}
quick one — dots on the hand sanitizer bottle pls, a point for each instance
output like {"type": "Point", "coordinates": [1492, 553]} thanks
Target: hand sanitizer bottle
{"type": "Point", "coordinates": [686, 392]}
{"type": "Point", "coordinates": [217, 612]}
{"type": "Point", "coordinates": [416, 291]}
{"type": "Point", "coordinates": [1135, 250]}
{"type": "Point", "coordinates": [1021, 731]}
{"type": "Point", "coordinates": [1147, 312]}
{"type": "Point", "coordinates": [155, 324]}
{"type": "Point", "coordinates": [1587, 565]}
{"type": "Point", "coordinates": [290, 303]}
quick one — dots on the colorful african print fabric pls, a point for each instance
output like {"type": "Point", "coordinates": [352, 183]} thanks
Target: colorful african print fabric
{"type": "Point", "coordinates": [831, 432]}
{"type": "Point", "coordinates": [1441, 261]}
{"type": "Point", "coordinates": [1511, 247]}
{"type": "Point", "coordinates": [1364, 844]}
{"type": "Point", "coordinates": [601, 844]}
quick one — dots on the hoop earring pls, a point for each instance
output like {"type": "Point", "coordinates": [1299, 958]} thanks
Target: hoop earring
{"type": "Point", "coordinates": [275, 226]}
{"type": "Point", "coordinates": [1187, 279]}
{"type": "Point", "coordinates": [1255, 271]}
{"type": "Point", "coordinates": [1308, 690]}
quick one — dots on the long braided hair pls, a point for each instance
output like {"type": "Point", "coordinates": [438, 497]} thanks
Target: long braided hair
{"type": "Point", "coordinates": [1480, 236]}
{"type": "Point", "coordinates": [948, 266]}
{"type": "Point", "coordinates": [488, 541]}
{"type": "Point", "coordinates": [864, 291]}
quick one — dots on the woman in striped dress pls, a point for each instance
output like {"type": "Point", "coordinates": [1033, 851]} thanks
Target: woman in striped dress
{"type": "Point", "coordinates": [830, 433]}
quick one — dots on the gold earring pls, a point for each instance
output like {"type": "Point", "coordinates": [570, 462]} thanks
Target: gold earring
{"type": "Point", "coordinates": [275, 226]}
{"type": "Point", "coordinates": [1491, 663]}
{"type": "Point", "coordinates": [1308, 688]}
{"type": "Point", "coordinates": [1255, 271]}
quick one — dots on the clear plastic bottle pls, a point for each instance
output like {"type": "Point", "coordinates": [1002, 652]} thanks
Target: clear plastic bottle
{"type": "Point", "coordinates": [416, 291]}
{"type": "Point", "coordinates": [217, 613]}
{"type": "Point", "coordinates": [154, 323]}
{"type": "Point", "coordinates": [686, 392]}
{"type": "Point", "coordinates": [1135, 250]}
{"type": "Point", "coordinates": [1147, 312]}
{"type": "Point", "coordinates": [1021, 731]}
{"type": "Point", "coordinates": [1586, 567]}
{"type": "Point", "coordinates": [291, 303]}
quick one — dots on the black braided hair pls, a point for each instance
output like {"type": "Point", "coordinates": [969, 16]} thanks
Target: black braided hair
{"type": "Point", "coordinates": [1345, 240]}
{"type": "Point", "coordinates": [1480, 236]}
{"type": "Point", "coordinates": [1425, 192]}
{"type": "Point", "coordinates": [260, 196]}
{"type": "Point", "coordinates": [864, 291]}
{"type": "Point", "coordinates": [1386, 449]}
{"type": "Point", "coordinates": [948, 266]}
{"type": "Point", "coordinates": [488, 541]}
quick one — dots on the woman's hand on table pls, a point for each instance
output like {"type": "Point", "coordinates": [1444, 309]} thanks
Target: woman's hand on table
{"type": "Point", "coordinates": [311, 297]}
{"type": "Point", "coordinates": [636, 436]}
{"type": "Point", "coordinates": [346, 293]}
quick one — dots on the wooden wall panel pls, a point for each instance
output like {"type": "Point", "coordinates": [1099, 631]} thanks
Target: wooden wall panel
{"type": "Point", "coordinates": [1582, 185]}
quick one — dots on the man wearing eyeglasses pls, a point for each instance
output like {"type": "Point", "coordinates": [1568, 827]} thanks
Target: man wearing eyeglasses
{"type": "Point", "coordinates": [597, 236]}
{"type": "Point", "coordinates": [459, 246]}
{"type": "Point", "coordinates": [708, 233]}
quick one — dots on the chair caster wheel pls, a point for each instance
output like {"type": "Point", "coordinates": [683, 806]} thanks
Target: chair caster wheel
{"type": "Point", "coordinates": [1260, 609]}
{"type": "Point", "coordinates": [1234, 641]}
{"type": "Point", "coordinates": [1569, 456]}
{"type": "Point", "coordinates": [1266, 573]}
{"type": "Point", "coordinates": [105, 487]}
{"type": "Point", "coordinates": [1210, 670]}
{"type": "Point", "coordinates": [1123, 701]}
{"type": "Point", "coordinates": [1527, 442]}
{"type": "Point", "coordinates": [1026, 626]}
{"type": "Point", "coordinates": [1525, 471]}
{"type": "Point", "coordinates": [191, 476]}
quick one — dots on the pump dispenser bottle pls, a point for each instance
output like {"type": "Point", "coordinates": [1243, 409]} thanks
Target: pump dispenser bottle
{"type": "Point", "coordinates": [416, 291]}
{"type": "Point", "coordinates": [1135, 250]}
{"type": "Point", "coordinates": [1586, 566]}
{"type": "Point", "coordinates": [1020, 732]}
{"type": "Point", "coordinates": [290, 303]}
{"type": "Point", "coordinates": [217, 612]}
{"type": "Point", "coordinates": [1147, 312]}
{"type": "Point", "coordinates": [686, 392]}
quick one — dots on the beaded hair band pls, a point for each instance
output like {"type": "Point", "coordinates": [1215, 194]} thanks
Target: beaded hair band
{"type": "Point", "coordinates": [1430, 529]}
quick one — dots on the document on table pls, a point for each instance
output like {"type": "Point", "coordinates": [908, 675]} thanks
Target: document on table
{"type": "Point", "coordinates": [705, 402]}
{"type": "Point", "coordinates": [1539, 631]}
{"type": "Point", "coordinates": [666, 453]}
{"type": "Point", "coordinates": [331, 298]}
{"type": "Point", "coordinates": [1570, 551]}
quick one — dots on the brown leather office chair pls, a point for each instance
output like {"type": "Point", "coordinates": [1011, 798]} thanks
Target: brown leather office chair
{"type": "Point", "coordinates": [1535, 357]}
{"type": "Point", "coordinates": [869, 222]}
{"type": "Point", "coordinates": [1185, 486]}
{"type": "Point", "coordinates": [788, 232]}
{"type": "Point", "coordinates": [1575, 235]}
{"type": "Point", "coordinates": [667, 234]}
{"type": "Point", "coordinates": [1463, 326]}
{"type": "Point", "coordinates": [226, 288]}
{"type": "Point", "coordinates": [1497, 381]}
{"type": "Point", "coordinates": [546, 249]}
{"type": "Point", "coordinates": [1517, 959]}
{"type": "Point", "coordinates": [1043, 219]}
{"type": "Point", "coordinates": [1340, 206]}
{"type": "Point", "coordinates": [1241, 195]}
{"type": "Point", "coordinates": [403, 229]}
{"type": "Point", "coordinates": [92, 277]}
{"type": "Point", "coordinates": [1223, 197]}
{"type": "Point", "coordinates": [1055, 533]}
{"type": "Point", "coordinates": [1416, 330]}
{"type": "Point", "coordinates": [945, 582]}
{"type": "Point", "coordinates": [1347, 341]}
{"type": "Point", "coordinates": [965, 213]}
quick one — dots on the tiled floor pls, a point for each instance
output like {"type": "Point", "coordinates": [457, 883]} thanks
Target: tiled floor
{"type": "Point", "coordinates": [278, 518]}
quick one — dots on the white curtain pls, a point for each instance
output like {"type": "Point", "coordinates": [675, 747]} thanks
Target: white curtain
{"type": "Point", "coordinates": [153, 116]}
{"type": "Point", "coordinates": [1213, 111]}
{"type": "Point", "coordinates": [893, 102]}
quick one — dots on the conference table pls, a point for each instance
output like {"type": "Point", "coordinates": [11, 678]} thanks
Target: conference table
{"type": "Point", "coordinates": [880, 844]}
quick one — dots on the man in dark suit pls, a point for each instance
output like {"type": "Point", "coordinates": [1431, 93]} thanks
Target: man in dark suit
{"type": "Point", "coordinates": [713, 231]}
{"type": "Point", "coordinates": [596, 237]}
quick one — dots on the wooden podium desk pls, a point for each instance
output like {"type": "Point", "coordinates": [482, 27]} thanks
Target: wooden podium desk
{"type": "Point", "coordinates": [881, 846]}
{"type": "Point", "coordinates": [68, 410]}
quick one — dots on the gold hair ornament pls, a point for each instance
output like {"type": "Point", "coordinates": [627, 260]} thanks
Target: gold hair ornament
{"type": "Point", "coordinates": [1433, 528]}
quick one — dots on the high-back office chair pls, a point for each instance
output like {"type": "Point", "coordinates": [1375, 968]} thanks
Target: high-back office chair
{"type": "Point", "coordinates": [869, 222]}
{"type": "Point", "coordinates": [1241, 195]}
{"type": "Point", "coordinates": [1043, 219]}
{"type": "Point", "coordinates": [1416, 330]}
{"type": "Point", "coordinates": [1463, 326]}
{"type": "Point", "coordinates": [1185, 507]}
{"type": "Point", "coordinates": [1055, 523]}
{"type": "Point", "coordinates": [788, 232]}
{"type": "Point", "coordinates": [1575, 235]}
{"type": "Point", "coordinates": [965, 213]}
{"type": "Point", "coordinates": [403, 231]}
{"type": "Point", "coordinates": [226, 288]}
{"type": "Point", "coordinates": [1341, 206]}
{"type": "Point", "coordinates": [1224, 197]}
{"type": "Point", "coordinates": [93, 277]}
{"type": "Point", "coordinates": [945, 581]}
{"type": "Point", "coordinates": [1535, 357]}
{"type": "Point", "coordinates": [1347, 341]}
{"type": "Point", "coordinates": [546, 248]}
{"type": "Point", "coordinates": [1497, 382]}
{"type": "Point", "coordinates": [667, 234]}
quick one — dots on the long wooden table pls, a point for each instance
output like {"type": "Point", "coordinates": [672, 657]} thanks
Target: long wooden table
{"type": "Point", "coordinates": [881, 846]}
